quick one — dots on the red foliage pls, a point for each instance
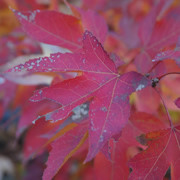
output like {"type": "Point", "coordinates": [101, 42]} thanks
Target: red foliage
{"type": "Point", "coordinates": [116, 110]}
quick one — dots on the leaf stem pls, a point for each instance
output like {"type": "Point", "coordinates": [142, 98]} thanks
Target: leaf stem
{"type": "Point", "coordinates": [160, 77]}
{"type": "Point", "coordinates": [166, 109]}
{"type": "Point", "coordinates": [153, 67]}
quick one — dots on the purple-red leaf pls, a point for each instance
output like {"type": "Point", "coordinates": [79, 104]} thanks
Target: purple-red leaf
{"type": "Point", "coordinates": [100, 82]}
{"type": "Point", "coordinates": [148, 24]}
{"type": "Point", "coordinates": [163, 151]}
{"type": "Point", "coordinates": [63, 148]}
{"type": "Point", "coordinates": [52, 27]}
{"type": "Point", "coordinates": [170, 54]}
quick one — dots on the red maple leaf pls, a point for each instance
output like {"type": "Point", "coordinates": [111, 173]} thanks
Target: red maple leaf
{"type": "Point", "coordinates": [163, 152]}
{"type": "Point", "coordinates": [52, 27]}
{"type": "Point", "coordinates": [63, 148]}
{"type": "Point", "coordinates": [100, 81]}
{"type": "Point", "coordinates": [126, 146]}
{"type": "Point", "coordinates": [170, 54]}
{"type": "Point", "coordinates": [61, 29]}
{"type": "Point", "coordinates": [157, 34]}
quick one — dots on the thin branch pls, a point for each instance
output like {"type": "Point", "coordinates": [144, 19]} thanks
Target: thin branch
{"type": "Point", "coordinates": [165, 107]}
{"type": "Point", "coordinates": [168, 74]}
{"type": "Point", "coordinates": [153, 67]}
